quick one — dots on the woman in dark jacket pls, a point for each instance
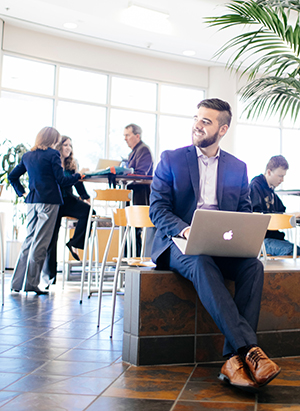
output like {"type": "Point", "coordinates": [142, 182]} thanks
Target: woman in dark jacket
{"type": "Point", "coordinates": [46, 178]}
{"type": "Point", "coordinates": [73, 206]}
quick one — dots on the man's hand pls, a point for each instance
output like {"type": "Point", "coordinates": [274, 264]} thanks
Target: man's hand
{"type": "Point", "coordinates": [186, 233]}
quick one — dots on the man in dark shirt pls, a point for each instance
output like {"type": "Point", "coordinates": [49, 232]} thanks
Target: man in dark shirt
{"type": "Point", "coordinates": [265, 200]}
{"type": "Point", "coordinates": [140, 159]}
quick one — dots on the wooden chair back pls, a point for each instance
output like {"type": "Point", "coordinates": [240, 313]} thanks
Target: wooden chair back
{"type": "Point", "coordinates": [138, 216]}
{"type": "Point", "coordinates": [119, 217]}
{"type": "Point", "coordinates": [113, 194]}
{"type": "Point", "coordinates": [281, 221]}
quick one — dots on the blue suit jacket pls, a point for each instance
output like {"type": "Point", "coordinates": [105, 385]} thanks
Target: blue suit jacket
{"type": "Point", "coordinates": [45, 176]}
{"type": "Point", "coordinates": [175, 192]}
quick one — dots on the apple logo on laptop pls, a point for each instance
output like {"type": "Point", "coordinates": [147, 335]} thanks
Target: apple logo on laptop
{"type": "Point", "coordinates": [228, 235]}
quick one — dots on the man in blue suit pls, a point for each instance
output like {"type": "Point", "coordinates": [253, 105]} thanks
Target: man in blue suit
{"type": "Point", "coordinates": [204, 176]}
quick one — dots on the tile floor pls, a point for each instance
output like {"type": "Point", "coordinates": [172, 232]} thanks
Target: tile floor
{"type": "Point", "coordinates": [53, 357]}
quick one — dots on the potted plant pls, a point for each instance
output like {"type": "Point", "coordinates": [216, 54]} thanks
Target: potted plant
{"type": "Point", "coordinates": [11, 156]}
{"type": "Point", "coordinates": [268, 53]}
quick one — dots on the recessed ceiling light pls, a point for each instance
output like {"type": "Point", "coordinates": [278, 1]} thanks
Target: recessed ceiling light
{"type": "Point", "coordinates": [70, 25]}
{"type": "Point", "coordinates": [189, 53]}
{"type": "Point", "coordinates": [146, 19]}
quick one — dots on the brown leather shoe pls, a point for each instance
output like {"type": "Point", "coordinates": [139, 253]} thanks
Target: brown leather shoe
{"type": "Point", "coordinates": [261, 367]}
{"type": "Point", "coordinates": [235, 373]}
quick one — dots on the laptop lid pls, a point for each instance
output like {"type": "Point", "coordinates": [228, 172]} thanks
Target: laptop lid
{"type": "Point", "coordinates": [104, 163]}
{"type": "Point", "coordinates": [225, 234]}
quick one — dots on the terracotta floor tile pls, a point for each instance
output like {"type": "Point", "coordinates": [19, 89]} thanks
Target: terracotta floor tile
{"type": "Point", "coordinates": [206, 373]}
{"type": "Point", "coordinates": [160, 373]}
{"type": "Point", "coordinates": [33, 381]}
{"type": "Point", "coordinates": [19, 365]}
{"type": "Point", "coordinates": [78, 386]}
{"type": "Point", "coordinates": [5, 347]}
{"type": "Point", "coordinates": [140, 388]}
{"type": "Point", "coordinates": [129, 404]}
{"type": "Point", "coordinates": [89, 356]}
{"type": "Point", "coordinates": [6, 396]}
{"type": "Point", "coordinates": [37, 330]}
{"type": "Point", "coordinates": [110, 371]}
{"type": "Point", "coordinates": [36, 353]}
{"type": "Point", "coordinates": [199, 391]}
{"type": "Point", "coordinates": [290, 378]}
{"type": "Point", "coordinates": [69, 368]}
{"type": "Point", "coordinates": [67, 343]}
{"type": "Point", "coordinates": [292, 363]}
{"type": "Point", "coordinates": [212, 406]}
{"type": "Point", "coordinates": [279, 395]}
{"type": "Point", "coordinates": [47, 402]}
{"type": "Point", "coordinates": [9, 378]}
{"type": "Point", "coordinates": [277, 407]}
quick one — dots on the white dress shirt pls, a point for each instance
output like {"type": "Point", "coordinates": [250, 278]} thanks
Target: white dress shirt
{"type": "Point", "coordinates": [208, 173]}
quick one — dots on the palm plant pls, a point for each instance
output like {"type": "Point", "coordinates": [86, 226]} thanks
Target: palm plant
{"type": "Point", "coordinates": [268, 54]}
{"type": "Point", "coordinates": [9, 160]}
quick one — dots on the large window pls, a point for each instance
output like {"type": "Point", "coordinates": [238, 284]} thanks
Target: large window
{"type": "Point", "coordinates": [92, 108]}
{"type": "Point", "coordinates": [23, 115]}
{"type": "Point", "coordinates": [258, 140]}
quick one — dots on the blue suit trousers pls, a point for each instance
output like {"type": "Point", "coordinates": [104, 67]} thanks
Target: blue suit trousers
{"type": "Point", "coordinates": [237, 317]}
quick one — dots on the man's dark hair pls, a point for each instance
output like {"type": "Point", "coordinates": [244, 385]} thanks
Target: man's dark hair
{"type": "Point", "coordinates": [222, 106]}
{"type": "Point", "coordinates": [277, 161]}
{"type": "Point", "coordinates": [135, 129]}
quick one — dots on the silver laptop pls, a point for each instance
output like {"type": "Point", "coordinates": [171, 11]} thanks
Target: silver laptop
{"type": "Point", "coordinates": [105, 162]}
{"type": "Point", "coordinates": [225, 234]}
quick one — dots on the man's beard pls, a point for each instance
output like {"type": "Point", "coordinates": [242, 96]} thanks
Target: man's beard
{"type": "Point", "coordinates": [207, 141]}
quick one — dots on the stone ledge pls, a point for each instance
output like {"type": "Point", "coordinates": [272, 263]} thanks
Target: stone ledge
{"type": "Point", "coordinates": [165, 322]}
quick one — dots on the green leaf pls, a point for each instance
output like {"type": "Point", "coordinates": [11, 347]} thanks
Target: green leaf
{"type": "Point", "coordinates": [271, 49]}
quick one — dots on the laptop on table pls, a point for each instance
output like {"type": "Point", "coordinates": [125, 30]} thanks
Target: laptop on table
{"type": "Point", "coordinates": [224, 234]}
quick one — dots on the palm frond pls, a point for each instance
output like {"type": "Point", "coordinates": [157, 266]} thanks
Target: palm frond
{"type": "Point", "coordinates": [289, 5]}
{"type": "Point", "coordinates": [271, 48]}
{"type": "Point", "coordinates": [272, 33]}
{"type": "Point", "coordinates": [272, 95]}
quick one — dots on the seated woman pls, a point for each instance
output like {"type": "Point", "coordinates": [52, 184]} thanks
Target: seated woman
{"type": "Point", "coordinates": [73, 207]}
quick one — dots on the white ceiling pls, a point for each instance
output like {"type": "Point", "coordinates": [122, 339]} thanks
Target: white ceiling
{"type": "Point", "coordinates": [99, 21]}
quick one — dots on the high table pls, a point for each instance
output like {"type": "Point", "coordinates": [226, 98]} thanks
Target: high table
{"type": "Point", "coordinates": [288, 192]}
{"type": "Point", "coordinates": [122, 180]}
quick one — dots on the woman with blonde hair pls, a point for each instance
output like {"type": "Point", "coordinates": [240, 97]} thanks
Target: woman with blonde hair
{"type": "Point", "coordinates": [72, 206]}
{"type": "Point", "coordinates": [43, 165]}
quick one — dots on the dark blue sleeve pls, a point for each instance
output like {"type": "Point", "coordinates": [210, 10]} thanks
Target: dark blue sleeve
{"type": "Point", "coordinates": [14, 178]}
{"type": "Point", "coordinates": [63, 181]}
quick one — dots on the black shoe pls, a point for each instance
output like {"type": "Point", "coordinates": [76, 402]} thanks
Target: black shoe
{"type": "Point", "coordinates": [16, 291]}
{"type": "Point", "coordinates": [52, 281]}
{"type": "Point", "coordinates": [36, 289]}
{"type": "Point", "coordinates": [74, 255]}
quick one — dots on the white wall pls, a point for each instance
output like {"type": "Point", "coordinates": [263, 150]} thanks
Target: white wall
{"type": "Point", "coordinates": [217, 81]}
{"type": "Point", "coordinates": [223, 85]}
{"type": "Point", "coordinates": [67, 51]}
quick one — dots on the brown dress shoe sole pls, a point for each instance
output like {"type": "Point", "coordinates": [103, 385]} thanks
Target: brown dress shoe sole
{"type": "Point", "coordinates": [248, 388]}
{"type": "Point", "coordinates": [270, 379]}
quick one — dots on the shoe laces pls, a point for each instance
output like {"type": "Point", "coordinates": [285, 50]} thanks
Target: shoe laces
{"type": "Point", "coordinates": [255, 356]}
{"type": "Point", "coordinates": [240, 362]}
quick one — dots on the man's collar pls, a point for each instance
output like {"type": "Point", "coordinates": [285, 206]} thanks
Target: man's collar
{"type": "Point", "coordinates": [136, 146]}
{"type": "Point", "coordinates": [270, 186]}
{"type": "Point", "coordinates": [200, 154]}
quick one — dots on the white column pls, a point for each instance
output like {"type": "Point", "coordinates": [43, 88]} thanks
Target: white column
{"type": "Point", "coordinates": [223, 85]}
